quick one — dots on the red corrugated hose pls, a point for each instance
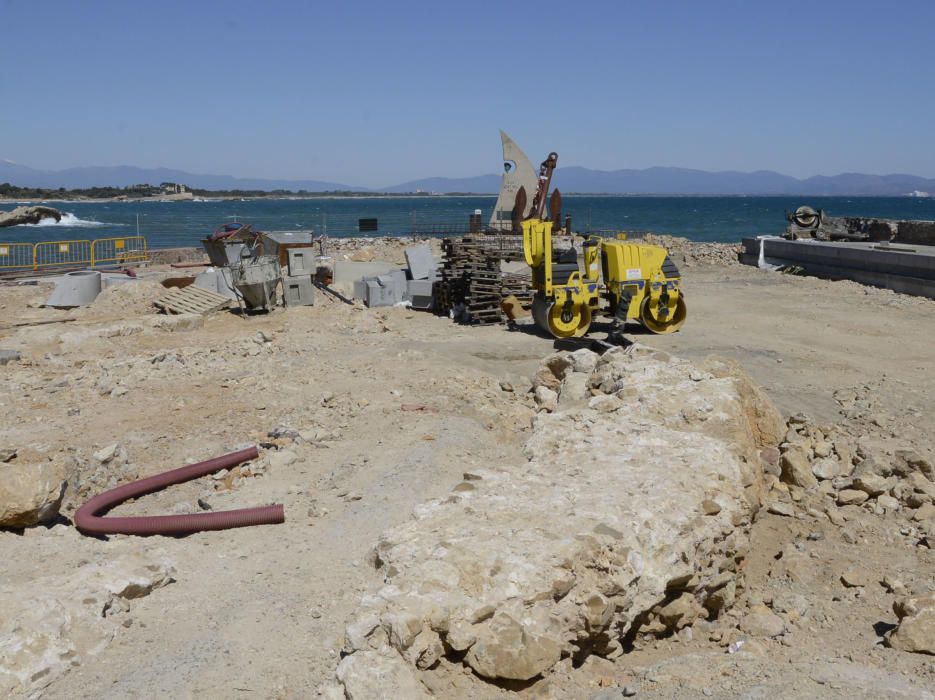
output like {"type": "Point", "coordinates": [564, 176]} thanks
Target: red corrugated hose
{"type": "Point", "coordinates": [89, 522]}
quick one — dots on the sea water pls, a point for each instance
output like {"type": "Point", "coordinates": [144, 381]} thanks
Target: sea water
{"type": "Point", "coordinates": [169, 224]}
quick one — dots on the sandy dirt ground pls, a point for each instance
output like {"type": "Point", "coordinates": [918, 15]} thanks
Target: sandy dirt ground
{"type": "Point", "coordinates": [363, 414]}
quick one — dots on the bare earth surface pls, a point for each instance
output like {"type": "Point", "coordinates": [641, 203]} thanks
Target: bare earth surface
{"type": "Point", "coordinates": [364, 414]}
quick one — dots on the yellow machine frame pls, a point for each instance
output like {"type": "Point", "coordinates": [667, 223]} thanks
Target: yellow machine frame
{"type": "Point", "coordinates": [637, 280]}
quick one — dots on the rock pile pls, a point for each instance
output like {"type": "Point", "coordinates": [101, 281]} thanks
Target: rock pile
{"type": "Point", "coordinates": [695, 253]}
{"type": "Point", "coordinates": [630, 518]}
{"type": "Point", "coordinates": [824, 469]}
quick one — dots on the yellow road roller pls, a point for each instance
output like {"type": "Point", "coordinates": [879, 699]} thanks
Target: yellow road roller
{"type": "Point", "coordinates": [617, 278]}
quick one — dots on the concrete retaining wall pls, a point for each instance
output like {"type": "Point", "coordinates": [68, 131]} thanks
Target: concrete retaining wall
{"type": "Point", "coordinates": [900, 268]}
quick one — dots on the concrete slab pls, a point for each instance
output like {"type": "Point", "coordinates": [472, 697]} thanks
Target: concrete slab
{"type": "Point", "coordinates": [347, 272]}
{"type": "Point", "coordinates": [301, 261]}
{"type": "Point", "coordinates": [909, 269]}
{"type": "Point", "coordinates": [421, 264]}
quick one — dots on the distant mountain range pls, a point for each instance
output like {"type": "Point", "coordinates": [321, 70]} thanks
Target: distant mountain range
{"type": "Point", "coordinates": [675, 181]}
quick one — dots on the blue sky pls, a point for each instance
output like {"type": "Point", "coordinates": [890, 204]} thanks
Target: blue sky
{"type": "Point", "coordinates": [378, 93]}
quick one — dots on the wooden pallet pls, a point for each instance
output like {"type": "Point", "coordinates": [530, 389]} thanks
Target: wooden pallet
{"type": "Point", "coordinates": [191, 300]}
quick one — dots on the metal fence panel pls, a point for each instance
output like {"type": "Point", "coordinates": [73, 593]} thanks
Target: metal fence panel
{"type": "Point", "coordinates": [16, 255]}
{"type": "Point", "coordinates": [62, 254]}
{"type": "Point", "coordinates": [118, 250]}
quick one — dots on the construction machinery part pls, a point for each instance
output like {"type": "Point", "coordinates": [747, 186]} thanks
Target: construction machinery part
{"type": "Point", "coordinates": [621, 279]}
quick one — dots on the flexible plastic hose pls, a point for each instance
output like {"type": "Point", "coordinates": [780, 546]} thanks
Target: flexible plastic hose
{"type": "Point", "coordinates": [89, 522]}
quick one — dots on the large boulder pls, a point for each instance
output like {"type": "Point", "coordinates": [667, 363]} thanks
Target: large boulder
{"type": "Point", "coordinates": [631, 516]}
{"type": "Point", "coordinates": [28, 215]}
{"type": "Point", "coordinates": [30, 493]}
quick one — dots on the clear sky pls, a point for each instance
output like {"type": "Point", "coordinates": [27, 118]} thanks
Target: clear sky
{"type": "Point", "coordinates": [376, 93]}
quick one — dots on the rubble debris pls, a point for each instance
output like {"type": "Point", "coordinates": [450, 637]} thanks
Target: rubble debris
{"type": "Point", "coordinates": [520, 590]}
{"type": "Point", "coordinates": [65, 618]}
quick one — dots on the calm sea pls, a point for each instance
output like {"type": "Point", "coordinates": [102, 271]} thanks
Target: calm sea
{"type": "Point", "coordinates": [167, 224]}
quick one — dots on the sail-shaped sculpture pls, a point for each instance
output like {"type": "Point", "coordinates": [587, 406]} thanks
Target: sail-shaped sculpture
{"type": "Point", "coordinates": [518, 172]}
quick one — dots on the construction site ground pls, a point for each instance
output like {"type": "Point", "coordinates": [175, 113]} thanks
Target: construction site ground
{"type": "Point", "coordinates": [378, 410]}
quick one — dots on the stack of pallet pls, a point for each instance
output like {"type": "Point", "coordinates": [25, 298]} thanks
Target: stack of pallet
{"type": "Point", "coordinates": [471, 276]}
{"type": "Point", "coordinates": [519, 285]}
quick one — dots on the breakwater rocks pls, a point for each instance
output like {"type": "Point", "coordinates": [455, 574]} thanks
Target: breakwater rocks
{"type": "Point", "coordinates": [631, 517]}
{"type": "Point", "coordinates": [28, 215]}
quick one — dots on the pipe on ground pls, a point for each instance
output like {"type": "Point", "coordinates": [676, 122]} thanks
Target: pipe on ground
{"type": "Point", "coordinates": [89, 522]}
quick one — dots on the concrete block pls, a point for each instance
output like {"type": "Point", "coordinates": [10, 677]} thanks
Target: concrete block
{"type": "Point", "coordinates": [298, 290]}
{"type": "Point", "coordinates": [382, 290]}
{"type": "Point", "coordinates": [301, 261]}
{"type": "Point", "coordinates": [419, 293]}
{"type": "Point", "coordinates": [347, 272]}
{"type": "Point", "coordinates": [421, 264]}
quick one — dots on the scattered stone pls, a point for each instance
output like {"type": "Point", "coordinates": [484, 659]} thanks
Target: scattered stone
{"type": "Point", "coordinates": [781, 508]}
{"type": "Point", "coordinates": [7, 454]}
{"type": "Point", "coordinates": [916, 630]}
{"type": "Point", "coordinates": [851, 497]}
{"type": "Point", "coordinates": [583, 360]}
{"type": "Point", "coordinates": [546, 398]}
{"type": "Point", "coordinates": [281, 458]}
{"type": "Point", "coordinates": [871, 484]}
{"type": "Point", "coordinates": [7, 356]}
{"type": "Point", "coordinates": [908, 461]}
{"type": "Point", "coordinates": [710, 507]}
{"type": "Point", "coordinates": [826, 468]}
{"type": "Point", "coordinates": [106, 454]}
{"type": "Point", "coordinates": [762, 622]}
{"type": "Point", "coordinates": [508, 648]}
{"type": "Point", "coordinates": [30, 493]}
{"type": "Point", "coordinates": [178, 323]}
{"type": "Point", "coordinates": [925, 512]}
{"type": "Point", "coordinates": [887, 502]}
{"type": "Point", "coordinates": [796, 468]}
{"type": "Point", "coordinates": [823, 449]}
{"type": "Point", "coordinates": [856, 577]}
